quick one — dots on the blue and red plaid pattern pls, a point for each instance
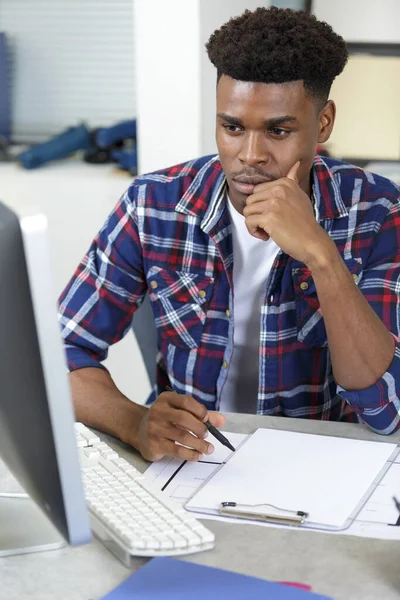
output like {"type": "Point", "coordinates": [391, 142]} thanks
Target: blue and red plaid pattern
{"type": "Point", "coordinates": [170, 236]}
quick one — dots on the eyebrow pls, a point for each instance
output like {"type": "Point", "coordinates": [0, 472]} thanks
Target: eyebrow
{"type": "Point", "coordinates": [268, 123]}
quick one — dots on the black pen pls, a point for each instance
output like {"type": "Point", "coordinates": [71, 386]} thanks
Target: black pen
{"type": "Point", "coordinates": [213, 430]}
{"type": "Point", "coordinates": [397, 503]}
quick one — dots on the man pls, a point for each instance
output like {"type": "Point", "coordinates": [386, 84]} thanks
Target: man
{"type": "Point", "coordinates": [272, 273]}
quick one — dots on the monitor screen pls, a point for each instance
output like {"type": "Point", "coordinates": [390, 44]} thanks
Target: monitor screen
{"type": "Point", "coordinates": [37, 436]}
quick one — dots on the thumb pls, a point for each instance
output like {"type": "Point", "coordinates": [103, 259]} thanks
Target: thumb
{"type": "Point", "coordinates": [216, 419]}
{"type": "Point", "coordinates": [292, 174]}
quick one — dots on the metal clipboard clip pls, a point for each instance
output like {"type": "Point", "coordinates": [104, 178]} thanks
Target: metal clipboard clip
{"type": "Point", "coordinates": [282, 516]}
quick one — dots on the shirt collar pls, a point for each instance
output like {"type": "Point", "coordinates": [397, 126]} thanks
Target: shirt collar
{"type": "Point", "coordinates": [326, 190]}
{"type": "Point", "coordinates": [205, 196]}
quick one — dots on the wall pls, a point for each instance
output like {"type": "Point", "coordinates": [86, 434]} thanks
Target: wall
{"type": "Point", "coordinates": [175, 83]}
{"type": "Point", "coordinates": [361, 20]}
{"type": "Point", "coordinates": [368, 117]}
{"type": "Point", "coordinates": [367, 92]}
{"type": "Point", "coordinates": [167, 81]}
{"type": "Point", "coordinates": [210, 20]}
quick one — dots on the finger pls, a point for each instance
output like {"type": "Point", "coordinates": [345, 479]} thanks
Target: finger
{"type": "Point", "coordinates": [188, 404]}
{"type": "Point", "coordinates": [279, 190]}
{"type": "Point", "coordinates": [187, 422]}
{"type": "Point", "coordinates": [292, 174]}
{"type": "Point", "coordinates": [171, 449]}
{"type": "Point", "coordinates": [256, 227]}
{"type": "Point", "coordinates": [188, 439]}
{"type": "Point", "coordinates": [216, 419]}
{"type": "Point", "coordinates": [271, 204]}
{"type": "Point", "coordinates": [259, 208]}
{"type": "Point", "coordinates": [266, 185]}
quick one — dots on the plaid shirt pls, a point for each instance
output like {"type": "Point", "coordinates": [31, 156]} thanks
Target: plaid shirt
{"type": "Point", "coordinates": [170, 236]}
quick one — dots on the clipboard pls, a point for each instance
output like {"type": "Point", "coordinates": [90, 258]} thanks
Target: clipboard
{"type": "Point", "coordinates": [295, 480]}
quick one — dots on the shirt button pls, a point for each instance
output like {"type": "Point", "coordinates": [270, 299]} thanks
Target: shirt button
{"type": "Point", "coordinates": [304, 286]}
{"type": "Point", "coordinates": [153, 285]}
{"type": "Point", "coordinates": [228, 313]}
{"type": "Point", "coordinates": [225, 364]}
{"type": "Point", "coordinates": [202, 294]}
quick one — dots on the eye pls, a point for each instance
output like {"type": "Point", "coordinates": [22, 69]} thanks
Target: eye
{"type": "Point", "coordinates": [278, 132]}
{"type": "Point", "coordinates": [232, 128]}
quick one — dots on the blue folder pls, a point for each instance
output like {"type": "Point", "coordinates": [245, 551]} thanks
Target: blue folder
{"type": "Point", "coordinates": [171, 579]}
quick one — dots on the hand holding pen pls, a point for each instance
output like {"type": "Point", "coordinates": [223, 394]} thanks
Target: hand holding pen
{"type": "Point", "coordinates": [174, 425]}
{"type": "Point", "coordinates": [214, 431]}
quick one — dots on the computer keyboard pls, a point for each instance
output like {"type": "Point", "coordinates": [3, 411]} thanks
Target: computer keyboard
{"type": "Point", "coordinates": [128, 514]}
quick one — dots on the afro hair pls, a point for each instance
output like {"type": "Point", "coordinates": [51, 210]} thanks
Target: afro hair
{"type": "Point", "coordinates": [275, 45]}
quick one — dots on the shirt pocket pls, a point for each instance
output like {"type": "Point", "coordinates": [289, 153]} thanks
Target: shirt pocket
{"type": "Point", "coordinates": [309, 318]}
{"type": "Point", "coordinates": [179, 300]}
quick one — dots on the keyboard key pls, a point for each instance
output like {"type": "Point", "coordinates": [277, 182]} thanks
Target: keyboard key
{"type": "Point", "coordinates": [139, 518]}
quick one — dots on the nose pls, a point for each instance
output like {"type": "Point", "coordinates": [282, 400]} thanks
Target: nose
{"type": "Point", "coordinates": [254, 149]}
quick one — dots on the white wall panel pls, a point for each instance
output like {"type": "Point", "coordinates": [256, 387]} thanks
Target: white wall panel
{"type": "Point", "coordinates": [168, 81]}
{"type": "Point", "coordinates": [175, 80]}
{"type": "Point", "coordinates": [361, 20]}
{"type": "Point", "coordinates": [211, 18]}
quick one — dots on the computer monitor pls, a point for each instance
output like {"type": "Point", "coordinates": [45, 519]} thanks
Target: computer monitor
{"type": "Point", "coordinates": [37, 435]}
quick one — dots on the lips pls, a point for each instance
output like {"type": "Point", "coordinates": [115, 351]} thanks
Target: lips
{"type": "Point", "coordinates": [246, 185]}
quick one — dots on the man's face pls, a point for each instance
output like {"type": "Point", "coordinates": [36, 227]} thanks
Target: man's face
{"type": "Point", "coordinates": [264, 129]}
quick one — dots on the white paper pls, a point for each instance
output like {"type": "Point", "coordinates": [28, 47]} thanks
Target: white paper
{"type": "Point", "coordinates": [180, 482]}
{"type": "Point", "coordinates": [377, 519]}
{"type": "Point", "coordinates": [324, 476]}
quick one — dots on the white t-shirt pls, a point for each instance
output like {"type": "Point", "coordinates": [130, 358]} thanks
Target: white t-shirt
{"type": "Point", "coordinates": [252, 263]}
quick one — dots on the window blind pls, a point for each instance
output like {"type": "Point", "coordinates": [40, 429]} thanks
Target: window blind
{"type": "Point", "coordinates": [71, 61]}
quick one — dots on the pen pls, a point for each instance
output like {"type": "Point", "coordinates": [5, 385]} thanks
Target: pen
{"type": "Point", "coordinates": [213, 430]}
{"type": "Point", "coordinates": [397, 503]}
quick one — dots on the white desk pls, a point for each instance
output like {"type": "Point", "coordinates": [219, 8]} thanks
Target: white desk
{"type": "Point", "coordinates": [345, 568]}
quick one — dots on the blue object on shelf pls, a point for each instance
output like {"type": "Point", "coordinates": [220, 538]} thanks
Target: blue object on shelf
{"type": "Point", "coordinates": [107, 136]}
{"type": "Point", "coordinates": [60, 146]}
{"type": "Point", "coordinates": [5, 102]}
{"type": "Point", "coordinates": [127, 159]}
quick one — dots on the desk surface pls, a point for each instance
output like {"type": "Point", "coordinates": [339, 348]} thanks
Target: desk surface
{"type": "Point", "coordinates": [345, 568]}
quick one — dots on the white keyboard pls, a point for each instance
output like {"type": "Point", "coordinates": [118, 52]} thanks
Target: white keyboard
{"type": "Point", "coordinates": [128, 514]}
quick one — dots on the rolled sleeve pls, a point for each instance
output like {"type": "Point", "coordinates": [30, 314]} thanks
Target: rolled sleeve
{"type": "Point", "coordinates": [379, 405]}
{"type": "Point", "coordinates": [79, 358]}
{"type": "Point", "coordinates": [97, 305]}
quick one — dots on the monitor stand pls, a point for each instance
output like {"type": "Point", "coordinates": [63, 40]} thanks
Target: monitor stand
{"type": "Point", "coordinates": [24, 528]}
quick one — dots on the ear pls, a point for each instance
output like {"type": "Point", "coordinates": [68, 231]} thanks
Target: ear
{"type": "Point", "coordinates": [326, 120]}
